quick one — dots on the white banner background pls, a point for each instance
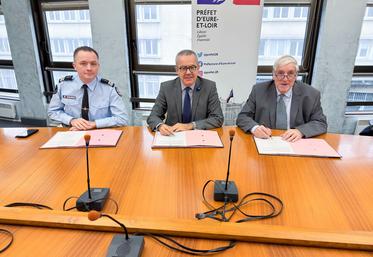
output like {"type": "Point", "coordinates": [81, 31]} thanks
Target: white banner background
{"type": "Point", "coordinates": [226, 38]}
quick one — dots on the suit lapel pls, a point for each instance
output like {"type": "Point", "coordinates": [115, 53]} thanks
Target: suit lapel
{"type": "Point", "coordinates": [295, 101]}
{"type": "Point", "coordinates": [272, 97]}
{"type": "Point", "coordinates": [178, 99]}
{"type": "Point", "coordinates": [196, 95]}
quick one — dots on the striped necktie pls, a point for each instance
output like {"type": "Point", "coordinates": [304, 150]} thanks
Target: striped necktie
{"type": "Point", "coordinates": [281, 116]}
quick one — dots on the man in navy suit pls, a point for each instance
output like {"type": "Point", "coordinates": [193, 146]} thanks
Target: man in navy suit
{"type": "Point", "coordinates": [302, 116]}
{"type": "Point", "coordinates": [187, 102]}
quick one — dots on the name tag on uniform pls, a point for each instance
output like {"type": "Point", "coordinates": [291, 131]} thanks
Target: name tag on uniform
{"type": "Point", "coordinates": [69, 96]}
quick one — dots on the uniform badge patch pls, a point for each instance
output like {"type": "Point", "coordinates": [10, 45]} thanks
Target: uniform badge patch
{"type": "Point", "coordinates": [66, 78]}
{"type": "Point", "coordinates": [69, 97]}
{"type": "Point", "coordinates": [107, 82]}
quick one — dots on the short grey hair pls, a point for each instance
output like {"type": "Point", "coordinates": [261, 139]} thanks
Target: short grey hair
{"type": "Point", "coordinates": [285, 60]}
{"type": "Point", "coordinates": [186, 52]}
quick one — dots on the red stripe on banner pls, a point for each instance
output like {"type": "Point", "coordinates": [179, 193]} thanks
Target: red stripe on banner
{"type": "Point", "coordinates": [246, 2]}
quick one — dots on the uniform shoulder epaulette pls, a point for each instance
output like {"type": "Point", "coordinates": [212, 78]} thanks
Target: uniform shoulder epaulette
{"type": "Point", "coordinates": [66, 78]}
{"type": "Point", "coordinates": [107, 82]}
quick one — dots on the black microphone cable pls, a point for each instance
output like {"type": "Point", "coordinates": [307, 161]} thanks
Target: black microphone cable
{"type": "Point", "coordinates": [178, 247]}
{"type": "Point", "coordinates": [10, 234]}
{"type": "Point", "coordinates": [24, 204]}
{"type": "Point", "coordinates": [96, 200]}
{"type": "Point", "coordinates": [165, 240]}
{"type": "Point", "coordinates": [66, 201]}
{"type": "Point", "coordinates": [19, 204]}
{"type": "Point", "coordinates": [219, 213]}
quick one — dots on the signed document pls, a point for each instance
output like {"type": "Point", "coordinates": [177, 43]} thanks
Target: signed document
{"type": "Point", "coordinates": [303, 147]}
{"type": "Point", "coordinates": [72, 139]}
{"type": "Point", "coordinates": [189, 138]}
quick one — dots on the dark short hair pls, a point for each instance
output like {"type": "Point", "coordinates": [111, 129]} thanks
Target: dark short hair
{"type": "Point", "coordinates": [186, 52]}
{"type": "Point", "coordinates": [86, 49]}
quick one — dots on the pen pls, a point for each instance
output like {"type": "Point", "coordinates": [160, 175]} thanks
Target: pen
{"type": "Point", "coordinates": [263, 125]}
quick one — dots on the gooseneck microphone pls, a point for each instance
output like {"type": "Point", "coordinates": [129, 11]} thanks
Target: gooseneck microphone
{"type": "Point", "coordinates": [225, 190]}
{"type": "Point", "coordinates": [87, 138]}
{"type": "Point", "coordinates": [94, 215]}
{"type": "Point", "coordinates": [121, 246]}
{"type": "Point", "coordinates": [231, 136]}
{"type": "Point", "coordinates": [93, 198]}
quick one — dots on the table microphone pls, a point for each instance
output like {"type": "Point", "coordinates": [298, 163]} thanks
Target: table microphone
{"type": "Point", "coordinates": [121, 246]}
{"type": "Point", "coordinates": [93, 198]}
{"type": "Point", "coordinates": [225, 190]}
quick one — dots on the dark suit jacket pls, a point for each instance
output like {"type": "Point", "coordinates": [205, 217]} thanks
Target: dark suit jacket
{"type": "Point", "coordinates": [306, 113]}
{"type": "Point", "coordinates": [206, 109]}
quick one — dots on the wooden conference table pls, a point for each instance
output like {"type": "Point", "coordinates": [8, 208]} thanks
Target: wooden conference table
{"type": "Point", "coordinates": [318, 193]}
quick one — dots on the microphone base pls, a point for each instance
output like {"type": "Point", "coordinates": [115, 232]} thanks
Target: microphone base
{"type": "Point", "coordinates": [132, 247]}
{"type": "Point", "coordinates": [222, 195]}
{"type": "Point", "coordinates": [97, 202]}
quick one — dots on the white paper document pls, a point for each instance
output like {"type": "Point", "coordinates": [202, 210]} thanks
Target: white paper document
{"type": "Point", "coordinates": [64, 139]}
{"type": "Point", "coordinates": [177, 139]}
{"type": "Point", "coordinates": [273, 145]}
{"type": "Point", "coordinates": [71, 139]}
{"type": "Point", "coordinates": [303, 147]}
{"type": "Point", "coordinates": [189, 138]}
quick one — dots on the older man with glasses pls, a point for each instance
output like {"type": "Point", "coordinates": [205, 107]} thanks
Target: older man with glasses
{"type": "Point", "coordinates": [187, 102]}
{"type": "Point", "coordinates": [283, 103]}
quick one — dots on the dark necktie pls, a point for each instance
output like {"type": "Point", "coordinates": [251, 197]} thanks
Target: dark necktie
{"type": "Point", "coordinates": [281, 116]}
{"type": "Point", "coordinates": [187, 110]}
{"type": "Point", "coordinates": [85, 103]}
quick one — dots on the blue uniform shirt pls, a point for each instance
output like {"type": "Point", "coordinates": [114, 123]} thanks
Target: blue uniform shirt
{"type": "Point", "coordinates": [106, 106]}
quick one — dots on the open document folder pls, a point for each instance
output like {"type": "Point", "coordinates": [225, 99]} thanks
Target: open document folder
{"type": "Point", "coordinates": [189, 138]}
{"type": "Point", "coordinates": [71, 139]}
{"type": "Point", "coordinates": [303, 147]}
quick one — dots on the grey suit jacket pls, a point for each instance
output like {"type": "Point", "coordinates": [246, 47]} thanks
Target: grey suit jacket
{"type": "Point", "coordinates": [306, 113]}
{"type": "Point", "coordinates": [206, 109]}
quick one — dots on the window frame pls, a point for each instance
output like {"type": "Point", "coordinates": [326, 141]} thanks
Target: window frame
{"type": "Point", "coordinates": [309, 46]}
{"type": "Point", "coordinates": [48, 65]}
{"type": "Point", "coordinates": [134, 63]}
{"type": "Point", "coordinates": [310, 40]}
{"type": "Point", "coordinates": [362, 71]}
{"type": "Point", "coordinates": [143, 19]}
{"type": "Point", "coordinates": [7, 65]}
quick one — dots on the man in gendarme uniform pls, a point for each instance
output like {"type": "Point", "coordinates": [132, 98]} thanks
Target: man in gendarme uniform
{"type": "Point", "coordinates": [87, 101]}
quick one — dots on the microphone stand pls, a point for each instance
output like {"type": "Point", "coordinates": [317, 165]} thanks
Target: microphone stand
{"type": "Point", "coordinates": [225, 190]}
{"type": "Point", "coordinates": [229, 164]}
{"type": "Point", "coordinates": [121, 246]}
{"type": "Point", "coordinates": [88, 179]}
{"type": "Point", "coordinates": [93, 198]}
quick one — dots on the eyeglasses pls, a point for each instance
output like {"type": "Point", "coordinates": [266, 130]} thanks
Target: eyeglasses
{"type": "Point", "coordinates": [184, 69]}
{"type": "Point", "coordinates": [289, 76]}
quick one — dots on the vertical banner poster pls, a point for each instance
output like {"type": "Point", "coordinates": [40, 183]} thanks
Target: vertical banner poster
{"type": "Point", "coordinates": [226, 36]}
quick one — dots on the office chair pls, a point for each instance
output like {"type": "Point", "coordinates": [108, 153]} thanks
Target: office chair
{"type": "Point", "coordinates": [368, 131]}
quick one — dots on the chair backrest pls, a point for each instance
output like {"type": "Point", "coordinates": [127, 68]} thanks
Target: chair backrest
{"type": "Point", "coordinates": [368, 131]}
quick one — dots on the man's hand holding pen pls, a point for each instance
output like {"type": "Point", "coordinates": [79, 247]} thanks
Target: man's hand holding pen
{"type": "Point", "coordinates": [262, 132]}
